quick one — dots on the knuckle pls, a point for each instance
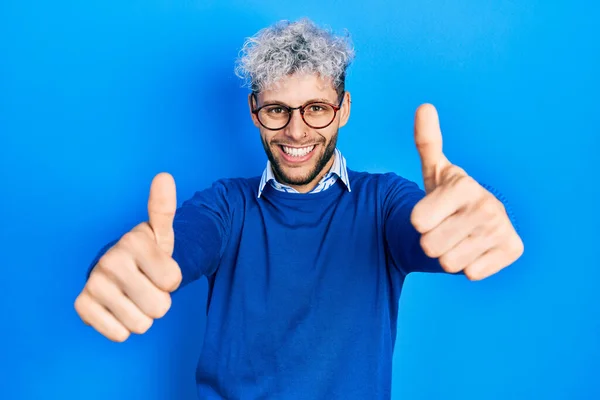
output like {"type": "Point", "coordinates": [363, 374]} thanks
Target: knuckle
{"type": "Point", "coordinates": [111, 261]}
{"type": "Point", "coordinates": [417, 218]}
{"type": "Point", "coordinates": [96, 285]}
{"type": "Point", "coordinates": [116, 261]}
{"type": "Point", "coordinates": [517, 247]}
{"type": "Point", "coordinates": [130, 239]}
{"type": "Point", "coordinates": [489, 207]}
{"type": "Point", "coordinates": [499, 205]}
{"type": "Point", "coordinates": [474, 274]}
{"type": "Point", "coordinates": [504, 234]}
{"type": "Point", "coordinates": [81, 305]}
{"type": "Point", "coordinates": [470, 274]}
{"type": "Point", "coordinates": [141, 325]}
{"type": "Point", "coordinates": [427, 245]}
{"type": "Point", "coordinates": [162, 304]}
{"type": "Point", "coordinates": [465, 182]}
{"type": "Point", "coordinates": [119, 335]}
{"type": "Point", "coordinates": [171, 278]}
{"type": "Point", "coordinates": [446, 263]}
{"type": "Point", "coordinates": [449, 263]}
{"type": "Point", "coordinates": [176, 274]}
{"type": "Point", "coordinates": [500, 236]}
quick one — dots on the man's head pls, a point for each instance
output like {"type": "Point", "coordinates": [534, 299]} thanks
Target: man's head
{"type": "Point", "coordinates": [291, 65]}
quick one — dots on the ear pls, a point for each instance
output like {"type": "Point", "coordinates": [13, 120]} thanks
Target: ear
{"type": "Point", "coordinates": [345, 110]}
{"type": "Point", "coordinates": [252, 105]}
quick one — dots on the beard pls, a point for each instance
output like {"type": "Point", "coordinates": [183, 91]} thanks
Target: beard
{"type": "Point", "coordinates": [286, 179]}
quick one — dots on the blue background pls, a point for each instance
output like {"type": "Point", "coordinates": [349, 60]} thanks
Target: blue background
{"type": "Point", "coordinates": [96, 97]}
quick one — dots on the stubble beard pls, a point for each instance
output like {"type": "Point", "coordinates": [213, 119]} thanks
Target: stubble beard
{"type": "Point", "coordinates": [284, 178]}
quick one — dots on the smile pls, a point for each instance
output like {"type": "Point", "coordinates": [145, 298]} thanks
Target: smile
{"type": "Point", "coordinates": [297, 151]}
{"type": "Point", "coordinates": [297, 155]}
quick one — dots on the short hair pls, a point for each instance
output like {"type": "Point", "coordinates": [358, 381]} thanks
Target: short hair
{"type": "Point", "coordinates": [286, 48]}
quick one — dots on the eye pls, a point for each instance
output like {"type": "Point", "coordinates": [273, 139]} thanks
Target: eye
{"type": "Point", "coordinates": [276, 110]}
{"type": "Point", "coordinates": [315, 108]}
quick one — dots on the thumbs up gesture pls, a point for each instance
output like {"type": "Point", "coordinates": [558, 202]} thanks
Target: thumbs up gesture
{"type": "Point", "coordinates": [130, 285]}
{"type": "Point", "coordinates": [461, 223]}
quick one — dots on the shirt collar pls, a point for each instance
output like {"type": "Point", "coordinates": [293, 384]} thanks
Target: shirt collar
{"type": "Point", "coordinates": [338, 168]}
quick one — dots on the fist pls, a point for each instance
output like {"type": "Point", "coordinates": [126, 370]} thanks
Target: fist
{"type": "Point", "coordinates": [462, 224]}
{"type": "Point", "coordinates": [130, 285]}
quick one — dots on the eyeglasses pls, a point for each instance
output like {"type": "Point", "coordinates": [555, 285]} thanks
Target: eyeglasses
{"type": "Point", "coordinates": [317, 115]}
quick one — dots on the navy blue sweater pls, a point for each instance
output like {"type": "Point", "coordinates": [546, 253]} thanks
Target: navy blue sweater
{"type": "Point", "coordinates": [303, 288]}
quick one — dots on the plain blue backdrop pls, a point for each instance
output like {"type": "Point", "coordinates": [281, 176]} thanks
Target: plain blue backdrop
{"type": "Point", "coordinates": [96, 97]}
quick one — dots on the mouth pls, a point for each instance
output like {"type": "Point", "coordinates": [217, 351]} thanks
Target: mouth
{"type": "Point", "coordinates": [296, 155]}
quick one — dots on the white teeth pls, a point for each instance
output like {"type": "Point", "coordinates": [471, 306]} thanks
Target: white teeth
{"type": "Point", "coordinates": [297, 151]}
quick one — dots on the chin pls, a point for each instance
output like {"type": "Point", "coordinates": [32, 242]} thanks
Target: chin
{"type": "Point", "coordinates": [296, 176]}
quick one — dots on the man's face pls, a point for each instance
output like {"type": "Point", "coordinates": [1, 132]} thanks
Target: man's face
{"type": "Point", "coordinates": [301, 155]}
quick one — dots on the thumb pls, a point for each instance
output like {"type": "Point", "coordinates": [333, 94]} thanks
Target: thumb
{"type": "Point", "coordinates": [162, 204]}
{"type": "Point", "coordinates": [428, 139]}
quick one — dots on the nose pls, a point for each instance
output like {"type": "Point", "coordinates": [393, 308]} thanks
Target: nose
{"type": "Point", "coordinates": [296, 129]}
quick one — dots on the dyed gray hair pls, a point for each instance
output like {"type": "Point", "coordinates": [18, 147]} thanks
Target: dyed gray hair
{"type": "Point", "coordinates": [287, 48]}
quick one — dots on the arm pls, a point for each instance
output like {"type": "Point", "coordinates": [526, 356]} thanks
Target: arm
{"type": "Point", "coordinates": [402, 240]}
{"type": "Point", "coordinates": [202, 226]}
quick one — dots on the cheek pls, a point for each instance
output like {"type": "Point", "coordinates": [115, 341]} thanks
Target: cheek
{"type": "Point", "coordinates": [266, 136]}
{"type": "Point", "coordinates": [327, 133]}
{"type": "Point", "coordinates": [330, 135]}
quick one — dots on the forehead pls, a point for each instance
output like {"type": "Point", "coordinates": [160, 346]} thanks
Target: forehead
{"type": "Point", "coordinates": [297, 89]}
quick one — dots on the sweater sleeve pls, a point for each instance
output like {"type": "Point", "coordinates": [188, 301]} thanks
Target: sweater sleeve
{"type": "Point", "coordinates": [402, 239]}
{"type": "Point", "coordinates": [201, 225]}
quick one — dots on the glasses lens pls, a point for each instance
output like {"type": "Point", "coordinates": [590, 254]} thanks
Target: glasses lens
{"type": "Point", "coordinates": [318, 115]}
{"type": "Point", "coordinates": [274, 116]}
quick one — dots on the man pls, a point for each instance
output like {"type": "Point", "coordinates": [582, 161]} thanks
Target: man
{"type": "Point", "coordinates": [305, 263]}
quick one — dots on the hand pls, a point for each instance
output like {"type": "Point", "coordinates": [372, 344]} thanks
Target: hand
{"type": "Point", "coordinates": [462, 224]}
{"type": "Point", "coordinates": [130, 285]}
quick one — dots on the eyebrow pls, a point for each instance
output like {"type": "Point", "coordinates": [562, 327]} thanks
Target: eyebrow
{"type": "Point", "coordinates": [316, 100]}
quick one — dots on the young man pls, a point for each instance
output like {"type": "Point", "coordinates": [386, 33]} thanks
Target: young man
{"type": "Point", "coordinates": [305, 263]}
